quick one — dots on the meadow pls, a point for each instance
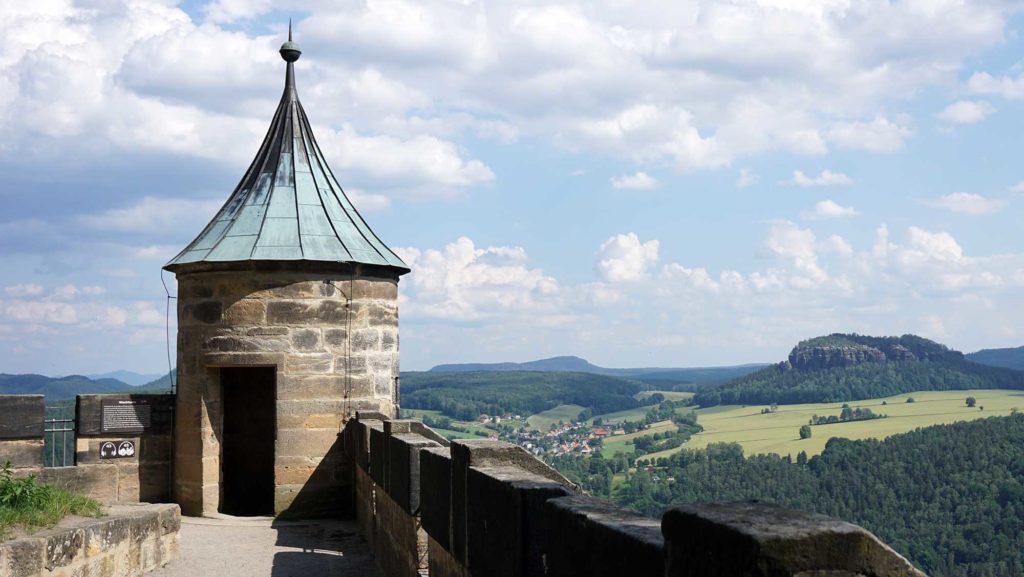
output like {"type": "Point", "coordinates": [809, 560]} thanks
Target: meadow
{"type": "Point", "coordinates": [624, 443]}
{"type": "Point", "coordinates": [778, 432]}
{"type": "Point", "coordinates": [543, 420]}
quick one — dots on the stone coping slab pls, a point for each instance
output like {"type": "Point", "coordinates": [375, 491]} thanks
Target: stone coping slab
{"type": "Point", "coordinates": [763, 539]}
{"type": "Point", "coordinates": [132, 539]}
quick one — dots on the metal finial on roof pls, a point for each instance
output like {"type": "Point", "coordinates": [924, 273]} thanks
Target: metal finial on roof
{"type": "Point", "coordinates": [290, 50]}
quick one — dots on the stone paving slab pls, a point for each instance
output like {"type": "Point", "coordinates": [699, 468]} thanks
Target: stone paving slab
{"type": "Point", "coordinates": [258, 547]}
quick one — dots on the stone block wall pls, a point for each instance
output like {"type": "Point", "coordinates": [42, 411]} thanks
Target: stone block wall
{"type": "Point", "coordinates": [484, 508]}
{"type": "Point", "coordinates": [143, 477]}
{"type": "Point", "coordinates": [332, 338]}
{"type": "Point", "coordinates": [21, 430]}
{"type": "Point", "coordinates": [129, 540]}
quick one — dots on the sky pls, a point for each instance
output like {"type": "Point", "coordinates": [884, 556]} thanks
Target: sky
{"type": "Point", "coordinates": [685, 183]}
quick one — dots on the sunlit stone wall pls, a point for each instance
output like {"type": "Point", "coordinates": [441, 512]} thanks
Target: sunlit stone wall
{"type": "Point", "coordinates": [332, 338]}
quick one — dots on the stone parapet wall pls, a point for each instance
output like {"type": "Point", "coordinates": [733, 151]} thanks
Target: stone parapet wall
{"type": "Point", "coordinates": [129, 540]}
{"type": "Point", "coordinates": [331, 337]}
{"type": "Point", "coordinates": [21, 430]}
{"type": "Point", "coordinates": [142, 477]}
{"type": "Point", "coordinates": [484, 508]}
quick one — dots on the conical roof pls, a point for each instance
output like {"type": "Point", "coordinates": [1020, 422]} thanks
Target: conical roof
{"type": "Point", "coordinates": [288, 206]}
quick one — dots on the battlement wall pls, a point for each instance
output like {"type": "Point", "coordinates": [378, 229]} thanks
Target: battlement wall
{"type": "Point", "coordinates": [94, 466]}
{"type": "Point", "coordinates": [482, 507]}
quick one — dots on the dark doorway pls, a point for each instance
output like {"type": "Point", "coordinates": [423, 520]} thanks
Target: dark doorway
{"type": "Point", "coordinates": [247, 445]}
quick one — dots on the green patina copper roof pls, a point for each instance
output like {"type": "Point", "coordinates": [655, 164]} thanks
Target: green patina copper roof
{"type": "Point", "coordinates": [288, 206]}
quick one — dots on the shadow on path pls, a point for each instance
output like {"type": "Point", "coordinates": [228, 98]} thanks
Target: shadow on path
{"type": "Point", "coordinates": [309, 548]}
{"type": "Point", "coordinates": [263, 547]}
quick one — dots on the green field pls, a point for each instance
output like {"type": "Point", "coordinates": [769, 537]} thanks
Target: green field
{"type": "Point", "coordinates": [636, 414]}
{"type": "Point", "coordinates": [779, 432]}
{"type": "Point", "coordinates": [542, 421]}
{"type": "Point", "coordinates": [419, 413]}
{"type": "Point", "coordinates": [448, 433]}
{"type": "Point", "coordinates": [624, 443]}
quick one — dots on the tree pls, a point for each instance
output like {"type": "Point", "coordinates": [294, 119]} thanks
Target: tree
{"type": "Point", "coordinates": [971, 401]}
{"type": "Point", "coordinates": [805, 432]}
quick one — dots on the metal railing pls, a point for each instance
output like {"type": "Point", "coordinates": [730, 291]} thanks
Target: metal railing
{"type": "Point", "coordinates": [59, 436]}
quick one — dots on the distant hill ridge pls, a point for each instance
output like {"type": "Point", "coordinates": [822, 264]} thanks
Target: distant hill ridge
{"type": "Point", "coordinates": [63, 388]}
{"type": "Point", "coordinates": [580, 365]}
{"type": "Point", "coordinates": [128, 377]}
{"type": "Point", "coordinates": [850, 367]}
{"type": "Point", "coordinates": [58, 388]}
{"type": "Point", "coordinates": [1008, 358]}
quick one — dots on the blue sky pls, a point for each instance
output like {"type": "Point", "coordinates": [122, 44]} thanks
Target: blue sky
{"type": "Point", "coordinates": [696, 184]}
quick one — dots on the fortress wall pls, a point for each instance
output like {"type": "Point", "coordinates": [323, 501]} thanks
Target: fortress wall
{"type": "Point", "coordinates": [481, 507]}
{"type": "Point", "coordinates": [144, 476]}
{"type": "Point", "coordinates": [21, 430]}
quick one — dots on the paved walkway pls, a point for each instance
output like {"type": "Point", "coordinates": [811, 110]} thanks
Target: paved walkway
{"type": "Point", "coordinates": [263, 547]}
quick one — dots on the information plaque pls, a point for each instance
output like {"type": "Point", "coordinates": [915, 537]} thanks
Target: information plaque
{"type": "Point", "coordinates": [126, 416]}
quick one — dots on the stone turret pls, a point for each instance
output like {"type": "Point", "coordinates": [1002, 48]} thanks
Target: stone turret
{"type": "Point", "coordinates": [287, 325]}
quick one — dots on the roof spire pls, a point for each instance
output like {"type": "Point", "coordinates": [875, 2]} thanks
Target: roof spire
{"type": "Point", "coordinates": [290, 50]}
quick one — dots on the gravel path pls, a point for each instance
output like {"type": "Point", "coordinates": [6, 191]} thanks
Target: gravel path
{"type": "Point", "coordinates": [230, 547]}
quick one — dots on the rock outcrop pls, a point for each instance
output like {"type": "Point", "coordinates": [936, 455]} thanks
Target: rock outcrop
{"type": "Point", "coordinates": [826, 357]}
{"type": "Point", "coordinates": [837, 351]}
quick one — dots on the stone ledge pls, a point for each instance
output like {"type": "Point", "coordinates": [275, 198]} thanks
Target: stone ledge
{"type": "Point", "coordinates": [591, 537]}
{"type": "Point", "coordinates": [759, 539]}
{"type": "Point", "coordinates": [129, 540]}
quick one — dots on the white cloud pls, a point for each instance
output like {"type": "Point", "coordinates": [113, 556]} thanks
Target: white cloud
{"type": "Point", "coordinates": [23, 290]}
{"type": "Point", "coordinates": [624, 258]}
{"type": "Point", "coordinates": [924, 246]}
{"type": "Point", "coordinates": [368, 201]}
{"type": "Point", "coordinates": [827, 209]}
{"type": "Point", "coordinates": [826, 178]}
{"type": "Point", "coordinates": [966, 112]}
{"type": "Point", "coordinates": [233, 10]}
{"type": "Point", "coordinates": [637, 181]}
{"type": "Point", "coordinates": [1004, 86]}
{"type": "Point", "coordinates": [797, 246]}
{"type": "Point", "coordinates": [746, 178]}
{"type": "Point", "coordinates": [421, 161]}
{"type": "Point", "coordinates": [809, 286]}
{"type": "Point", "coordinates": [1018, 188]}
{"type": "Point", "coordinates": [155, 215]}
{"type": "Point", "coordinates": [878, 135]}
{"type": "Point", "coordinates": [691, 86]}
{"type": "Point", "coordinates": [839, 245]}
{"type": "Point", "coordinates": [649, 133]}
{"type": "Point", "coordinates": [464, 282]}
{"type": "Point", "coordinates": [968, 203]}
{"type": "Point", "coordinates": [70, 309]}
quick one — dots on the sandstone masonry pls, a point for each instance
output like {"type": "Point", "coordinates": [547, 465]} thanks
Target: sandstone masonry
{"type": "Point", "coordinates": [331, 336]}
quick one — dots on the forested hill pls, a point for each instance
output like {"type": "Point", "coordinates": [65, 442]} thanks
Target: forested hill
{"type": "Point", "coordinates": [659, 377]}
{"type": "Point", "coordinates": [467, 395]}
{"type": "Point", "coordinates": [1008, 358]}
{"type": "Point", "coordinates": [58, 388]}
{"type": "Point", "coordinates": [839, 368]}
{"type": "Point", "coordinates": [949, 497]}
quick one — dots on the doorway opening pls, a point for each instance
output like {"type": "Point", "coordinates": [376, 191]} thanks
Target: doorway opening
{"type": "Point", "coordinates": [247, 443]}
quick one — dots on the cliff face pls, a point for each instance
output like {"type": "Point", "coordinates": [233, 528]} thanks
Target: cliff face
{"type": "Point", "coordinates": [848, 350]}
{"type": "Point", "coordinates": [825, 357]}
